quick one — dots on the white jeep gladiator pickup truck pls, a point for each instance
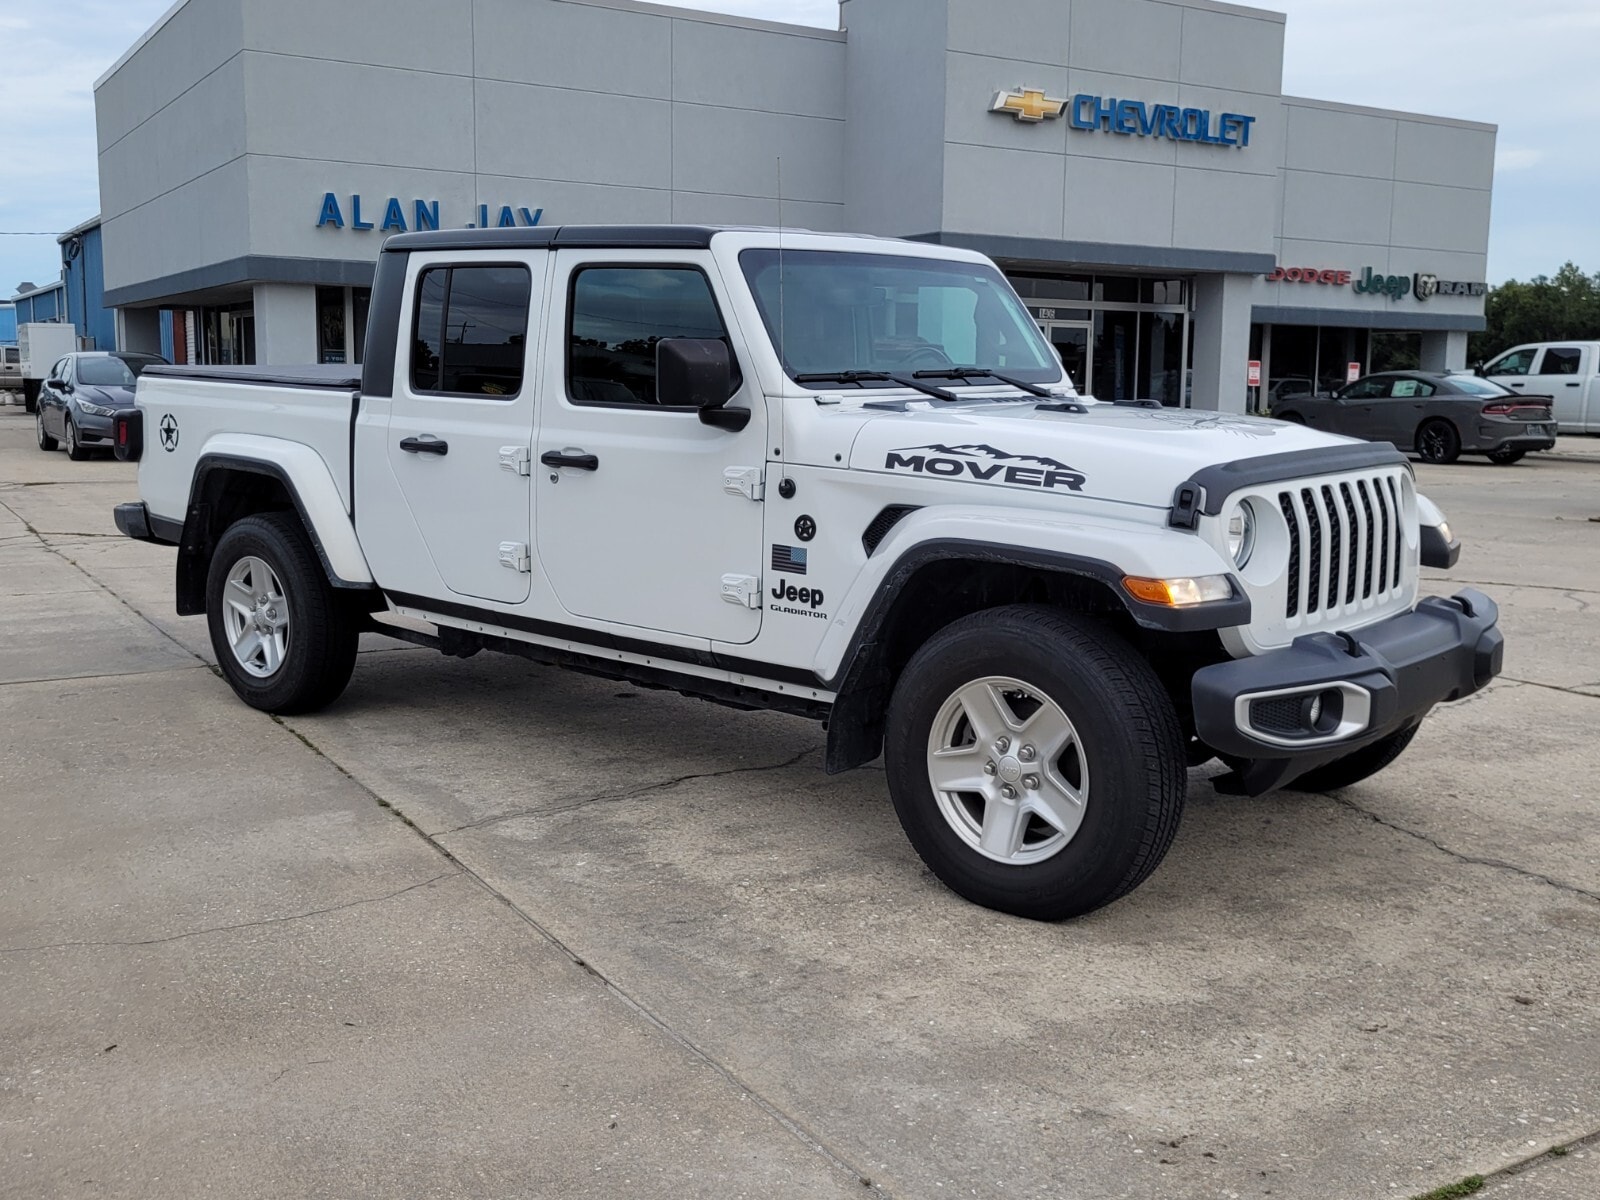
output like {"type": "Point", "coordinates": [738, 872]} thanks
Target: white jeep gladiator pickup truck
{"type": "Point", "coordinates": [841, 477]}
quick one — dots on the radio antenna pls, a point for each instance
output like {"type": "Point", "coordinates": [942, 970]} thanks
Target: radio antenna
{"type": "Point", "coordinates": [783, 361]}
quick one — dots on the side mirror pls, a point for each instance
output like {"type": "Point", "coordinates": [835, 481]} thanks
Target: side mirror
{"type": "Point", "coordinates": [698, 373]}
{"type": "Point", "coordinates": [1477, 368]}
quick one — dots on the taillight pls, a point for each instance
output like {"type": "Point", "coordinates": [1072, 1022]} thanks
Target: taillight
{"type": "Point", "coordinates": [127, 434]}
{"type": "Point", "coordinates": [1498, 410]}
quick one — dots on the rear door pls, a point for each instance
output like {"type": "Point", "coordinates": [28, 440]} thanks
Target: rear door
{"type": "Point", "coordinates": [1559, 373]}
{"type": "Point", "coordinates": [461, 424]}
{"type": "Point", "coordinates": [1397, 416]}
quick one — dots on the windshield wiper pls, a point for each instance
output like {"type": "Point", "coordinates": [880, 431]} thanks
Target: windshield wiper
{"type": "Point", "coordinates": [966, 373]}
{"type": "Point", "coordinates": [861, 377]}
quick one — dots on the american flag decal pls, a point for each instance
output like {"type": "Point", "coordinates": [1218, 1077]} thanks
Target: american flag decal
{"type": "Point", "coordinates": [789, 558]}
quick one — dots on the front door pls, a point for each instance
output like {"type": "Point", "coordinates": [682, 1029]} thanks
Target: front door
{"type": "Point", "coordinates": [1074, 342]}
{"type": "Point", "coordinates": [635, 522]}
{"type": "Point", "coordinates": [461, 425]}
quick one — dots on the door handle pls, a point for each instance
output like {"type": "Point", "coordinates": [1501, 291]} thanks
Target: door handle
{"type": "Point", "coordinates": [426, 444]}
{"type": "Point", "coordinates": [570, 458]}
{"type": "Point", "coordinates": [1572, 385]}
{"type": "Point", "coordinates": [1519, 385]}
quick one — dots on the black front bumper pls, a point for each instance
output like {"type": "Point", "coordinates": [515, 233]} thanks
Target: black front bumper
{"type": "Point", "coordinates": [1443, 650]}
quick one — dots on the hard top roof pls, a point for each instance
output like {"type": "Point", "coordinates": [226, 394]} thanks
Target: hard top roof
{"type": "Point", "coordinates": [582, 237]}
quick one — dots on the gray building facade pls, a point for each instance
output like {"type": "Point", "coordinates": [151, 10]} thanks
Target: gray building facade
{"type": "Point", "coordinates": [1168, 214]}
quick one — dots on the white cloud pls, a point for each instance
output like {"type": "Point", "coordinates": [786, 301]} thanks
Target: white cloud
{"type": "Point", "coordinates": [1516, 158]}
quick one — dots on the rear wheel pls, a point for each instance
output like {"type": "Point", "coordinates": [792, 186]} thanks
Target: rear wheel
{"type": "Point", "coordinates": [1504, 458]}
{"type": "Point", "coordinates": [1438, 442]}
{"type": "Point", "coordinates": [284, 638]}
{"type": "Point", "coordinates": [1035, 762]}
{"type": "Point", "coordinates": [46, 442]}
{"type": "Point", "coordinates": [1353, 768]}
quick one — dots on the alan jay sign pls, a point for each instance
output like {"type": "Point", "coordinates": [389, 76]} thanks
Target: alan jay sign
{"type": "Point", "coordinates": [1132, 118]}
{"type": "Point", "coordinates": [398, 217]}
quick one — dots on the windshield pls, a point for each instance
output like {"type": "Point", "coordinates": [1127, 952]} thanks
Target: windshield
{"type": "Point", "coordinates": [1471, 385]}
{"type": "Point", "coordinates": [841, 311]}
{"type": "Point", "coordinates": [111, 371]}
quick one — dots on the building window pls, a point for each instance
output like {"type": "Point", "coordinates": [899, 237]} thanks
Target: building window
{"type": "Point", "coordinates": [470, 333]}
{"type": "Point", "coordinates": [330, 325]}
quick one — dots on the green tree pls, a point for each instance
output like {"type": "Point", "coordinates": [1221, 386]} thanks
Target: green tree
{"type": "Point", "coordinates": [1541, 310]}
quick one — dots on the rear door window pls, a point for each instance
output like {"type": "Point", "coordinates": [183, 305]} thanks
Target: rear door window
{"type": "Point", "coordinates": [470, 331]}
{"type": "Point", "coordinates": [1410, 389]}
{"type": "Point", "coordinates": [1561, 360]}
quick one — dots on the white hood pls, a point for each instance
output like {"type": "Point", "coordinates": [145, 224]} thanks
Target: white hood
{"type": "Point", "coordinates": [1132, 455]}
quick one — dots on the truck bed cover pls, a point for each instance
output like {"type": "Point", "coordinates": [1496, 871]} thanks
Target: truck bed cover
{"type": "Point", "coordinates": [333, 376]}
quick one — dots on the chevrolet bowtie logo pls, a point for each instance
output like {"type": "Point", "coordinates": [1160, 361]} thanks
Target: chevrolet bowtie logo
{"type": "Point", "coordinates": [1028, 104]}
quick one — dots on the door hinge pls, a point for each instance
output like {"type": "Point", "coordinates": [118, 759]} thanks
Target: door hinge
{"type": "Point", "coordinates": [516, 459]}
{"type": "Point", "coordinates": [749, 482]}
{"type": "Point", "coordinates": [514, 556]}
{"type": "Point", "coordinates": [743, 590]}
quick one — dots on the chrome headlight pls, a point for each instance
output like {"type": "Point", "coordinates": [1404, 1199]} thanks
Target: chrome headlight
{"type": "Point", "coordinates": [1241, 533]}
{"type": "Point", "coordinates": [94, 410]}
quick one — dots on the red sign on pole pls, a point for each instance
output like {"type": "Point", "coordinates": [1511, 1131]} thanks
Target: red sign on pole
{"type": "Point", "coordinates": [1352, 372]}
{"type": "Point", "coordinates": [1253, 377]}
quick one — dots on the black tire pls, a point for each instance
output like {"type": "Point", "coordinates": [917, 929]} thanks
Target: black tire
{"type": "Point", "coordinates": [30, 395]}
{"type": "Point", "coordinates": [1132, 765]}
{"type": "Point", "coordinates": [46, 442]}
{"type": "Point", "coordinates": [1353, 768]}
{"type": "Point", "coordinates": [322, 629]}
{"type": "Point", "coordinates": [1293, 418]}
{"type": "Point", "coordinates": [69, 440]}
{"type": "Point", "coordinates": [1505, 458]}
{"type": "Point", "coordinates": [1438, 442]}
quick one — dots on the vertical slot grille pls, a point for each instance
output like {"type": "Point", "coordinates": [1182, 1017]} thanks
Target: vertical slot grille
{"type": "Point", "coordinates": [1345, 545]}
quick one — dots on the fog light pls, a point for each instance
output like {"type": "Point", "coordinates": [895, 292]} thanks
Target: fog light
{"type": "Point", "coordinates": [1314, 713]}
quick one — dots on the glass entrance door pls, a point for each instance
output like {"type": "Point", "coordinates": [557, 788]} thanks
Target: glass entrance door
{"type": "Point", "coordinates": [1074, 342]}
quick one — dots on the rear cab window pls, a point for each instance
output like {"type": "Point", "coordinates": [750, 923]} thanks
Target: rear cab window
{"type": "Point", "coordinates": [1561, 360]}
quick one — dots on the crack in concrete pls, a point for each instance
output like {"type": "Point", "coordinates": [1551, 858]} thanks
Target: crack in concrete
{"type": "Point", "coordinates": [1553, 1154]}
{"type": "Point", "coordinates": [193, 933]}
{"type": "Point", "coordinates": [643, 789]}
{"type": "Point", "coordinates": [103, 675]}
{"type": "Point", "coordinates": [1555, 687]}
{"type": "Point", "coordinates": [84, 571]}
{"type": "Point", "coordinates": [791, 1125]}
{"type": "Point", "coordinates": [1538, 587]}
{"type": "Point", "coordinates": [1498, 864]}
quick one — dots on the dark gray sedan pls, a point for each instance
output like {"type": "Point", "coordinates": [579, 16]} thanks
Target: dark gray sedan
{"type": "Point", "coordinates": [77, 400]}
{"type": "Point", "coordinates": [1433, 414]}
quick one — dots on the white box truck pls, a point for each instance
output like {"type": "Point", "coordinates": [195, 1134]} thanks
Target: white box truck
{"type": "Point", "coordinates": [40, 344]}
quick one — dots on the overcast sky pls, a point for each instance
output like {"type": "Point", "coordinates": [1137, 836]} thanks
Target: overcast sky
{"type": "Point", "coordinates": [1530, 67]}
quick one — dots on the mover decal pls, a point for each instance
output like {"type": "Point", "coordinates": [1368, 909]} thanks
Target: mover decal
{"type": "Point", "coordinates": [987, 464]}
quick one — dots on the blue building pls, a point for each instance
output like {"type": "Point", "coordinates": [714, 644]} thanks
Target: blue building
{"type": "Point", "coordinates": [77, 297]}
{"type": "Point", "coordinates": [8, 323]}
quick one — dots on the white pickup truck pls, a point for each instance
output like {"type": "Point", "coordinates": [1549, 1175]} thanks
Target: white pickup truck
{"type": "Point", "coordinates": [1567, 372]}
{"type": "Point", "coordinates": [840, 477]}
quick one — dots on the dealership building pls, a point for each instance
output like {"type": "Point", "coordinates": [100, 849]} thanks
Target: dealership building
{"type": "Point", "coordinates": [1166, 212]}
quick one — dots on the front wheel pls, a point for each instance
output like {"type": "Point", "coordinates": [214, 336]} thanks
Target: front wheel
{"type": "Point", "coordinates": [1504, 458]}
{"type": "Point", "coordinates": [283, 637]}
{"type": "Point", "coordinates": [1438, 442]}
{"type": "Point", "coordinates": [46, 442]}
{"type": "Point", "coordinates": [70, 443]}
{"type": "Point", "coordinates": [1035, 762]}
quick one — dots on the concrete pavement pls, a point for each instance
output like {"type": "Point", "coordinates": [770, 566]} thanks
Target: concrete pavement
{"type": "Point", "coordinates": [439, 938]}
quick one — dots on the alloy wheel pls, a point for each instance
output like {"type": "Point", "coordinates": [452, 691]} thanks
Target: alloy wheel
{"type": "Point", "coordinates": [256, 617]}
{"type": "Point", "coordinates": [1008, 770]}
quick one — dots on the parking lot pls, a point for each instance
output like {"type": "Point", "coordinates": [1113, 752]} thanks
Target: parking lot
{"type": "Point", "coordinates": [485, 929]}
